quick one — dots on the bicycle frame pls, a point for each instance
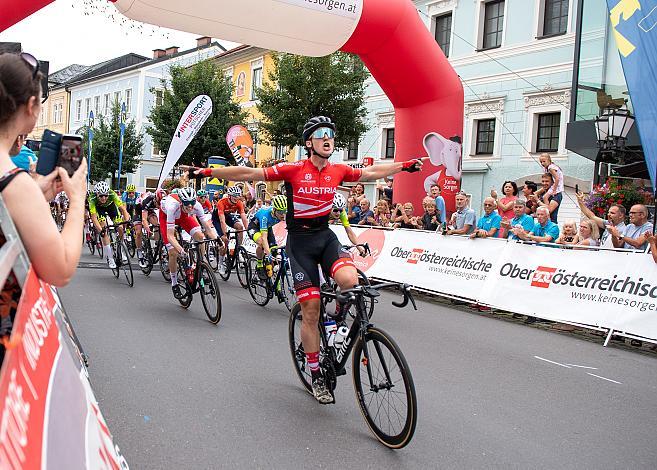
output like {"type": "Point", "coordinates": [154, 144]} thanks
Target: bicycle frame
{"type": "Point", "coordinates": [282, 270]}
{"type": "Point", "coordinates": [193, 253]}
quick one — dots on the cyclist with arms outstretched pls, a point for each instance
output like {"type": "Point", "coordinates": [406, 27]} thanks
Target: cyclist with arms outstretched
{"type": "Point", "coordinates": [310, 186]}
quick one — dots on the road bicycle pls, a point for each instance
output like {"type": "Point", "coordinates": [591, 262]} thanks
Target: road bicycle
{"type": "Point", "coordinates": [330, 285]}
{"type": "Point", "coordinates": [120, 252]}
{"type": "Point", "coordinates": [130, 241]}
{"type": "Point", "coordinates": [279, 283]}
{"type": "Point", "coordinates": [91, 238]}
{"type": "Point", "coordinates": [150, 248]}
{"type": "Point", "coordinates": [235, 257]}
{"type": "Point", "coordinates": [196, 276]}
{"type": "Point", "coordinates": [382, 379]}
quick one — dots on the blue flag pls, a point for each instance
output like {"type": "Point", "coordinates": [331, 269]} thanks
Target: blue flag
{"type": "Point", "coordinates": [634, 25]}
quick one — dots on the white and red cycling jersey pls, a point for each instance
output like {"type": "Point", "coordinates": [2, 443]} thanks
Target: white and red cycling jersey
{"type": "Point", "coordinates": [310, 191]}
{"type": "Point", "coordinates": [171, 214]}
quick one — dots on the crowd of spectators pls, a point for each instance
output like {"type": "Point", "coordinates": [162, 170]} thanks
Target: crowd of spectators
{"type": "Point", "coordinates": [528, 213]}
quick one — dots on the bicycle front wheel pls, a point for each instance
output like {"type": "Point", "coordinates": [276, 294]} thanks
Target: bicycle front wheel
{"type": "Point", "coordinates": [210, 294]}
{"type": "Point", "coordinates": [148, 257]}
{"type": "Point", "coordinates": [287, 289]}
{"type": "Point", "coordinates": [212, 255]}
{"type": "Point", "coordinates": [125, 264]}
{"type": "Point", "coordinates": [226, 266]}
{"type": "Point", "coordinates": [387, 400]}
{"type": "Point", "coordinates": [164, 264]}
{"type": "Point", "coordinates": [257, 287]}
{"type": "Point", "coordinates": [241, 268]}
{"type": "Point", "coordinates": [296, 348]}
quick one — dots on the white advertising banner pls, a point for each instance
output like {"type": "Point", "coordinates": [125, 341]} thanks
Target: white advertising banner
{"type": "Point", "coordinates": [616, 290]}
{"type": "Point", "coordinates": [198, 111]}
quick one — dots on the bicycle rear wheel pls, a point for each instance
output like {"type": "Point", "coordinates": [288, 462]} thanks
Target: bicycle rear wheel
{"type": "Point", "coordinates": [126, 267]}
{"type": "Point", "coordinates": [241, 268]}
{"type": "Point", "coordinates": [387, 400]}
{"type": "Point", "coordinates": [210, 294]}
{"type": "Point", "coordinates": [130, 244]}
{"type": "Point", "coordinates": [257, 287]}
{"type": "Point", "coordinates": [212, 255]}
{"type": "Point", "coordinates": [99, 247]}
{"type": "Point", "coordinates": [148, 256]}
{"type": "Point", "coordinates": [117, 258]}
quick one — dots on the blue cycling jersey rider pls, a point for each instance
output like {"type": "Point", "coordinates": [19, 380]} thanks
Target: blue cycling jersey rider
{"type": "Point", "coordinates": [260, 230]}
{"type": "Point", "coordinates": [310, 186]}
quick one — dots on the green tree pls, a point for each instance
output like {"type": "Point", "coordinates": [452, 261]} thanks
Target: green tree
{"type": "Point", "coordinates": [302, 87]}
{"type": "Point", "coordinates": [203, 78]}
{"type": "Point", "coordinates": [105, 156]}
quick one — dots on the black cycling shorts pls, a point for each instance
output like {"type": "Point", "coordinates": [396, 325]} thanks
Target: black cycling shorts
{"type": "Point", "coordinates": [310, 249]}
{"type": "Point", "coordinates": [111, 210]}
{"type": "Point", "coordinates": [254, 233]}
{"type": "Point", "coordinates": [231, 220]}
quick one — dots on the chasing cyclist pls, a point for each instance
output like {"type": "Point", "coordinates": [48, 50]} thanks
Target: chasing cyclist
{"type": "Point", "coordinates": [310, 187]}
{"type": "Point", "coordinates": [131, 198]}
{"type": "Point", "coordinates": [261, 232]}
{"type": "Point", "coordinates": [226, 215]}
{"type": "Point", "coordinates": [104, 203]}
{"type": "Point", "coordinates": [180, 209]}
{"type": "Point", "coordinates": [339, 215]}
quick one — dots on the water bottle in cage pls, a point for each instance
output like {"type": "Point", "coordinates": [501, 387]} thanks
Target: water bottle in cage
{"type": "Point", "coordinates": [340, 336]}
{"type": "Point", "coordinates": [330, 329]}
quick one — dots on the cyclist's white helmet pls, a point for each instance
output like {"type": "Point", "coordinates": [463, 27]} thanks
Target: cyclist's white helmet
{"type": "Point", "coordinates": [102, 188]}
{"type": "Point", "coordinates": [234, 191]}
{"type": "Point", "coordinates": [339, 201]}
{"type": "Point", "coordinates": [187, 195]}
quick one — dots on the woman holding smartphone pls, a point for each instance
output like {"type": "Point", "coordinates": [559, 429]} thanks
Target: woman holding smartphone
{"type": "Point", "coordinates": [54, 255]}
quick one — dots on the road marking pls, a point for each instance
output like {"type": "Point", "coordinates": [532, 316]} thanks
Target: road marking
{"type": "Point", "coordinates": [582, 367]}
{"type": "Point", "coordinates": [605, 378]}
{"type": "Point", "coordinates": [552, 362]}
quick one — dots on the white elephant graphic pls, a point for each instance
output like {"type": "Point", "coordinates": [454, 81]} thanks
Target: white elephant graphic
{"type": "Point", "coordinates": [442, 152]}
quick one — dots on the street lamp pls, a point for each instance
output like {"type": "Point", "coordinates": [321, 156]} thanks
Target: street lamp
{"type": "Point", "coordinates": [612, 128]}
{"type": "Point", "coordinates": [90, 136]}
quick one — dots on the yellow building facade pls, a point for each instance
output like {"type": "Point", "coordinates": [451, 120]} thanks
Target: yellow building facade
{"type": "Point", "coordinates": [248, 67]}
{"type": "Point", "coordinates": [54, 113]}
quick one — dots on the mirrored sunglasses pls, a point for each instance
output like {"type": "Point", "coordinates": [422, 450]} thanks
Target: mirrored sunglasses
{"type": "Point", "coordinates": [324, 132]}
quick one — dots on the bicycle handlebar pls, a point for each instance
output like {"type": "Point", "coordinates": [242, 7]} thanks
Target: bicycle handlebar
{"type": "Point", "coordinates": [366, 246]}
{"type": "Point", "coordinates": [348, 296]}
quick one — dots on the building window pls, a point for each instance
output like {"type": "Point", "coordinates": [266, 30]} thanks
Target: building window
{"type": "Point", "coordinates": [117, 97]}
{"type": "Point", "coordinates": [444, 32]}
{"type": "Point", "coordinates": [352, 150]}
{"type": "Point", "coordinates": [106, 104]}
{"type": "Point", "coordinates": [151, 184]}
{"type": "Point", "coordinates": [128, 101]}
{"type": "Point", "coordinates": [78, 110]}
{"type": "Point", "coordinates": [55, 113]}
{"type": "Point", "coordinates": [485, 137]}
{"type": "Point", "coordinates": [96, 105]}
{"type": "Point", "coordinates": [159, 98]}
{"type": "Point", "coordinates": [555, 17]}
{"type": "Point", "coordinates": [87, 107]}
{"type": "Point", "coordinates": [547, 138]}
{"type": "Point", "coordinates": [390, 144]}
{"type": "Point", "coordinates": [256, 82]}
{"type": "Point", "coordinates": [493, 24]}
{"type": "Point", "coordinates": [261, 190]}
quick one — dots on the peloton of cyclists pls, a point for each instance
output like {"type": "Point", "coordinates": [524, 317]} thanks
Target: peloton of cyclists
{"type": "Point", "coordinates": [310, 188]}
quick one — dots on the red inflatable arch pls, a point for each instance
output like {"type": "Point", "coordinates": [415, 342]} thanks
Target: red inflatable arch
{"type": "Point", "coordinates": [388, 35]}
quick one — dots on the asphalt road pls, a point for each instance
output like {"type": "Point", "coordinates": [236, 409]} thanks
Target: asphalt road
{"type": "Point", "coordinates": [179, 392]}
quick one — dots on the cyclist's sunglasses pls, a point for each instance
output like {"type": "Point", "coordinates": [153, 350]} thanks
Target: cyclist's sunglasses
{"type": "Point", "coordinates": [103, 195]}
{"type": "Point", "coordinates": [189, 203]}
{"type": "Point", "coordinates": [335, 211]}
{"type": "Point", "coordinates": [324, 132]}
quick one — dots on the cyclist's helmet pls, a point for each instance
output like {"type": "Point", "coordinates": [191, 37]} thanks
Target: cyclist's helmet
{"type": "Point", "coordinates": [234, 191]}
{"type": "Point", "coordinates": [187, 195]}
{"type": "Point", "coordinates": [279, 203]}
{"type": "Point", "coordinates": [131, 188]}
{"type": "Point", "coordinates": [315, 123]}
{"type": "Point", "coordinates": [102, 188]}
{"type": "Point", "coordinates": [339, 201]}
{"type": "Point", "coordinates": [201, 193]}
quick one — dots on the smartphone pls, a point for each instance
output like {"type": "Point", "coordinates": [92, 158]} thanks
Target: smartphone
{"type": "Point", "coordinates": [70, 153]}
{"type": "Point", "coordinates": [49, 153]}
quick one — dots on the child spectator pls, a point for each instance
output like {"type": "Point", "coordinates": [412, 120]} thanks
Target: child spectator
{"type": "Point", "coordinates": [568, 234]}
